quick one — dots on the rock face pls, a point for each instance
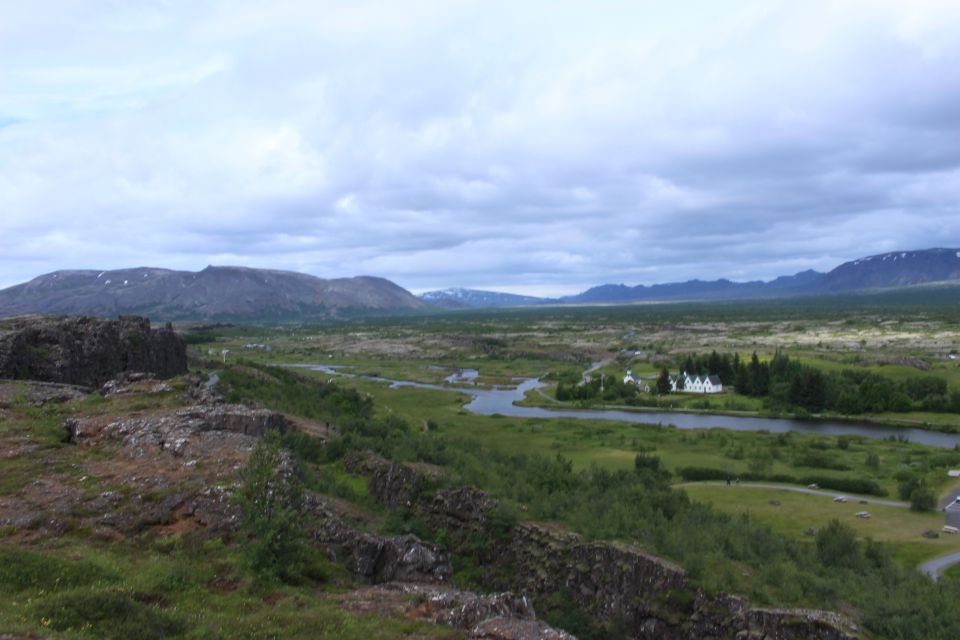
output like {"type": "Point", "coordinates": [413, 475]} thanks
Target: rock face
{"type": "Point", "coordinates": [194, 431]}
{"type": "Point", "coordinates": [376, 558]}
{"type": "Point", "coordinates": [87, 351]}
{"type": "Point", "coordinates": [652, 596]}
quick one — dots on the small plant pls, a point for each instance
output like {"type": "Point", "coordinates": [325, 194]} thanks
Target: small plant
{"type": "Point", "coordinates": [274, 542]}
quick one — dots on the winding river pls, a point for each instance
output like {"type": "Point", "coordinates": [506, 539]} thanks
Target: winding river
{"type": "Point", "coordinates": [501, 401]}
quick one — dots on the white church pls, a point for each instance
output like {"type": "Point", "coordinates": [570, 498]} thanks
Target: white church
{"type": "Point", "coordinates": [695, 384]}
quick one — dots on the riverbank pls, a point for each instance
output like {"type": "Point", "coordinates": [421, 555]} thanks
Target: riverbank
{"type": "Point", "coordinates": [506, 402]}
{"type": "Point", "coordinates": [541, 399]}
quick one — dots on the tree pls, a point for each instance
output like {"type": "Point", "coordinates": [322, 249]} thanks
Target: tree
{"type": "Point", "coordinates": [645, 461]}
{"type": "Point", "coordinates": [759, 376]}
{"type": "Point", "coordinates": [271, 499]}
{"type": "Point", "coordinates": [663, 382]}
{"type": "Point", "coordinates": [907, 484]}
{"type": "Point", "coordinates": [922, 499]}
{"type": "Point", "coordinates": [681, 382]}
{"type": "Point", "coordinates": [808, 389]}
{"type": "Point", "coordinates": [837, 545]}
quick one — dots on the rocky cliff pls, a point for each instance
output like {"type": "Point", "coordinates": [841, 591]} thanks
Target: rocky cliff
{"type": "Point", "coordinates": [651, 596]}
{"type": "Point", "coordinates": [87, 351]}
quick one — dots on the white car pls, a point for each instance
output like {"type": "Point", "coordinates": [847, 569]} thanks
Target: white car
{"type": "Point", "coordinates": [840, 499]}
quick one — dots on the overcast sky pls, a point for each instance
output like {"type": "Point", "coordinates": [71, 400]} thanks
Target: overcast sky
{"type": "Point", "coordinates": [521, 146]}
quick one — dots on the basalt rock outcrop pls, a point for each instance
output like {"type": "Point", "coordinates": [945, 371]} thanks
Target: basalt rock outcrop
{"type": "Point", "coordinates": [87, 351]}
{"type": "Point", "coordinates": [375, 558]}
{"type": "Point", "coordinates": [203, 431]}
{"type": "Point", "coordinates": [176, 468]}
{"type": "Point", "coordinates": [499, 616]}
{"type": "Point", "coordinates": [651, 596]}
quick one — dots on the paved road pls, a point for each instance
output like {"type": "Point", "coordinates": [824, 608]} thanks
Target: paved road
{"type": "Point", "coordinates": [934, 567]}
{"type": "Point", "coordinates": [814, 492]}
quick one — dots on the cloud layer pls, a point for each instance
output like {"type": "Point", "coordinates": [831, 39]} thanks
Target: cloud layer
{"type": "Point", "coordinates": [539, 149]}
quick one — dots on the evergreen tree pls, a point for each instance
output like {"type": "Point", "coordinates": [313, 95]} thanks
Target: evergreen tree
{"type": "Point", "coordinates": [663, 382]}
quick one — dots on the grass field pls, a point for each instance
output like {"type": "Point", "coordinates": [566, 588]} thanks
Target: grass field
{"type": "Point", "coordinates": [900, 527]}
{"type": "Point", "coordinates": [75, 589]}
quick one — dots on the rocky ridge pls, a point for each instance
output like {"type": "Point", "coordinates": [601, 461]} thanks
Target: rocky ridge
{"type": "Point", "coordinates": [176, 470]}
{"type": "Point", "coordinates": [652, 596]}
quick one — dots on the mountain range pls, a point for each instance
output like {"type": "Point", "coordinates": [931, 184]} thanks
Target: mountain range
{"type": "Point", "coordinates": [246, 294]}
{"type": "Point", "coordinates": [895, 269]}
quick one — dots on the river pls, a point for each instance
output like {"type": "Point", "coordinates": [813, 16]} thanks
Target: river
{"type": "Point", "coordinates": [501, 401]}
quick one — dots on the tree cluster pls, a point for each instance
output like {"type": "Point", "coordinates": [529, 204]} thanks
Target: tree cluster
{"type": "Point", "coordinates": [787, 382]}
{"type": "Point", "coordinates": [609, 388]}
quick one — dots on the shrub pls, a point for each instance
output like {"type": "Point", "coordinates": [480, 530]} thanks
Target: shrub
{"type": "Point", "coordinates": [837, 546]}
{"type": "Point", "coordinates": [274, 541]}
{"type": "Point", "coordinates": [852, 485]}
{"type": "Point", "coordinates": [21, 569]}
{"type": "Point", "coordinates": [699, 474]}
{"type": "Point", "coordinates": [922, 499]}
{"type": "Point", "coordinates": [107, 613]}
{"type": "Point", "coordinates": [907, 485]}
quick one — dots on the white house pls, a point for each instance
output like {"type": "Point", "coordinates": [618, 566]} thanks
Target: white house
{"type": "Point", "coordinates": [696, 384]}
{"type": "Point", "coordinates": [632, 379]}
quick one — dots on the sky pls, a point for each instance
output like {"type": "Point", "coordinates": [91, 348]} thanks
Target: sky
{"type": "Point", "coordinates": [531, 147]}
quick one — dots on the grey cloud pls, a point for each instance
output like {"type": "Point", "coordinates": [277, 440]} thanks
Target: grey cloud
{"type": "Point", "coordinates": [548, 145]}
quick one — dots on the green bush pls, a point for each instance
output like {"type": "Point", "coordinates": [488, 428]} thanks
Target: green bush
{"type": "Point", "coordinates": [851, 485]}
{"type": "Point", "coordinates": [837, 546]}
{"type": "Point", "coordinates": [107, 613]}
{"type": "Point", "coordinates": [700, 474]}
{"type": "Point", "coordinates": [22, 569]}
{"type": "Point", "coordinates": [274, 540]}
{"type": "Point", "coordinates": [922, 499]}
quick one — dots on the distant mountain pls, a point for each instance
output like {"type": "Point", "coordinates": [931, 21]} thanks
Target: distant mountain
{"type": "Point", "coordinates": [895, 269]}
{"type": "Point", "coordinates": [466, 298]}
{"type": "Point", "coordinates": [215, 293]}
{"type": "Point", "coordinates": [888, 270]}
{"type": "Point", "coordinates": [699, 290]}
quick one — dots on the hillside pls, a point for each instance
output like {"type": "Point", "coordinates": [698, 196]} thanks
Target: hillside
{"type": "Point", "coordinates": [215, 293]}
{"type": "Point", "coordinates": [896, 269]}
